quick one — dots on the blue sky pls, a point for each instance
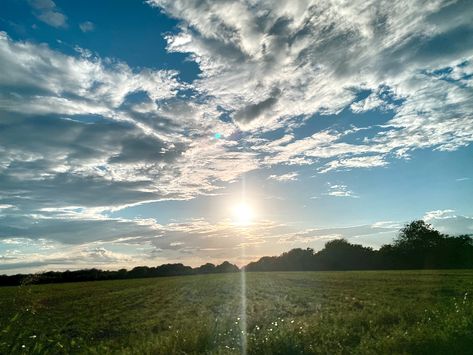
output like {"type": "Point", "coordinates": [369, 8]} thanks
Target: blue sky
{"type": "Point", "coordinates": [130, 131]}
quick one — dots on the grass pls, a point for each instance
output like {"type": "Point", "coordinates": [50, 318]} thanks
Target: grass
{"type": "Point", "coordinates": [401, 312]}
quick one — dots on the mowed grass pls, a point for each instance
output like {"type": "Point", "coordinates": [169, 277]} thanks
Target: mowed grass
{"type": "Point", "coordinates": [368, 312]}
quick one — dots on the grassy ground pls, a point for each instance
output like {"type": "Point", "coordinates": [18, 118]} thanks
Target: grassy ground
{"type": "Point", "coordinates": [421, 312]}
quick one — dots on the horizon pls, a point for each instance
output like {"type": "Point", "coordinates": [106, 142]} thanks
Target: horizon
{"type": "Point", "coordinates": [154, 132]}
{"type": "Point", "coordinates": [222, 262]}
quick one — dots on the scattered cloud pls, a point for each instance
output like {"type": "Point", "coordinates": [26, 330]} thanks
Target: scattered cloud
{"type": "Point", "coordinates": [284, 177]}
{"type": "Point", "coordinates": [340, 191]}
{"type": "Point", "coordinates": [353, 163]}
{"type": "Point", "coordinates": [87, 26]}
{"type": "Point", "coordinates": [387, 224]}
{"type": "Point", "coordinates": [371, 102]}
{"type": "Point", "coordinates": [47, 12]}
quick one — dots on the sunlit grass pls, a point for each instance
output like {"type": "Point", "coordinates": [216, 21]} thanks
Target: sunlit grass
{"type": "Point", "coordinates": [286, 313]}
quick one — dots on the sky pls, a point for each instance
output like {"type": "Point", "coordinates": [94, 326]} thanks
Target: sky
{"type": "Point", "coordinates": [150, 132]}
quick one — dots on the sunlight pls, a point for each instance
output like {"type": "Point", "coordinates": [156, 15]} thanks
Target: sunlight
{"type": "Point", "coordinates": [243, 214]}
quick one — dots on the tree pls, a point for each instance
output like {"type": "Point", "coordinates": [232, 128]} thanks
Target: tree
{"type": "Point", "coordinates": [339, 254]}
{"type": "Point", "coordinates": [418, 234]}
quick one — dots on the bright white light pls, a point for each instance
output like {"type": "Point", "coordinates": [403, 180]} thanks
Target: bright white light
{"type": "Point", "coordinates": [242, 214]}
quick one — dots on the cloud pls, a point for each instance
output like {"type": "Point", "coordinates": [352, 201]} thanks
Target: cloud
{"type": "Point", "coordinates": [356, 162]}
{"type": "Point", "coordinates": [269, 65]}
{"type": "Point", "coordinates": [387, 224]}
{"type": "Point", "coordinates": [447, 221]}
{"type": "Point", "coordinates": [376, 100]}
{"type": "Point", "coordinates": [5, 206]}
{"type": "Point", "coordinates": [57, 83]}
{"type": "Point", "coordinates": [438, 214]}
{"type": "Point", "coordinates": [68, 238]}
{"type": "Point", "coordinates": [255, 110]}
{"type": "Point", "coordinates": [340, 191]}
{"type": "Point", "coordinates": [374, 235]}
{"type": "Point", "coordinates": [317, 57]}
{"type": "Point", "coordinates": [284, 177]}
{"type": "Point", "coordinates": [59, 258]}
{"type": "Point", "coordinates": [123, 242]}
{"type": "Point", "coordinates": [81, 133]}
{"type": "Point", "coordinates": [87, 26]}
{"type": "Point", "coordinates": [47, 12]}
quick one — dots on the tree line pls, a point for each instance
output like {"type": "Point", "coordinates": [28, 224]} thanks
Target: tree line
{"type": "Point", "coordinates": [96, 274]}
{"type": "Point", "coordinates": [417, 246]}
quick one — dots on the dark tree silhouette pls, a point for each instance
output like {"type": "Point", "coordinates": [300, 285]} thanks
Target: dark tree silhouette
{"type": "Point", "coordinates": [226, 267]}
{"type": "Point", "coordinates": [417, 246]}
{"type": "Point", "coordinates": [208, 268]}
{"type": "Point", "coordinates": [338, 254]}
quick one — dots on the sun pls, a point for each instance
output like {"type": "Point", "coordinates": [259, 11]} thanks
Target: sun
{"type": "Point", "coordinates": [242, 214]}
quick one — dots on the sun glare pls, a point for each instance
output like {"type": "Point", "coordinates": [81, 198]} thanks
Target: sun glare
{"type": "Point", "coordinates": [242, 214]}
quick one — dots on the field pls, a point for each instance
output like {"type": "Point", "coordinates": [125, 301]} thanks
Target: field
{"type": "Point", "coordinates": [402, 312]}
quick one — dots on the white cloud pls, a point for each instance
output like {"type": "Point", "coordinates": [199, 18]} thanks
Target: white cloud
{"type": "Point", "coordinates": [447, 221]}
{"type": "Point", "coordinates": [73, 85]}
{"type": "Point", "coordinates": [87, 26]}
{"type": "Point", "coordinates": [387, 224]}
{"type": "Point", "coordinates": [47, 12]}
{"type": "Point", "coordinates": [284, 177]}
{"type": "Point", "coordinates": [356, 162]}
{"type": "Point", "coordinates": [340, 191]}
{"type": "Point", "coordinates": [438, 214]}
{"type": "Point", "coordinates": [371, 102]}
{"type": "Point", "coordinates": [5, 206]}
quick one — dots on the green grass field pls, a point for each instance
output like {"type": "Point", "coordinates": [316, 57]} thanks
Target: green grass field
{"type": "Point", "coordinates": [403, 312]}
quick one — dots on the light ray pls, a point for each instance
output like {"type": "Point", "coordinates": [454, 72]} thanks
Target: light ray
{"type": "Point", "coordinates": [243, 323]}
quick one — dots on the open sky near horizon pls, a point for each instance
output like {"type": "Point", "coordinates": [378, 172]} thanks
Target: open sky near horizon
{"type": "Point", "coordinates": [130, 131]}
